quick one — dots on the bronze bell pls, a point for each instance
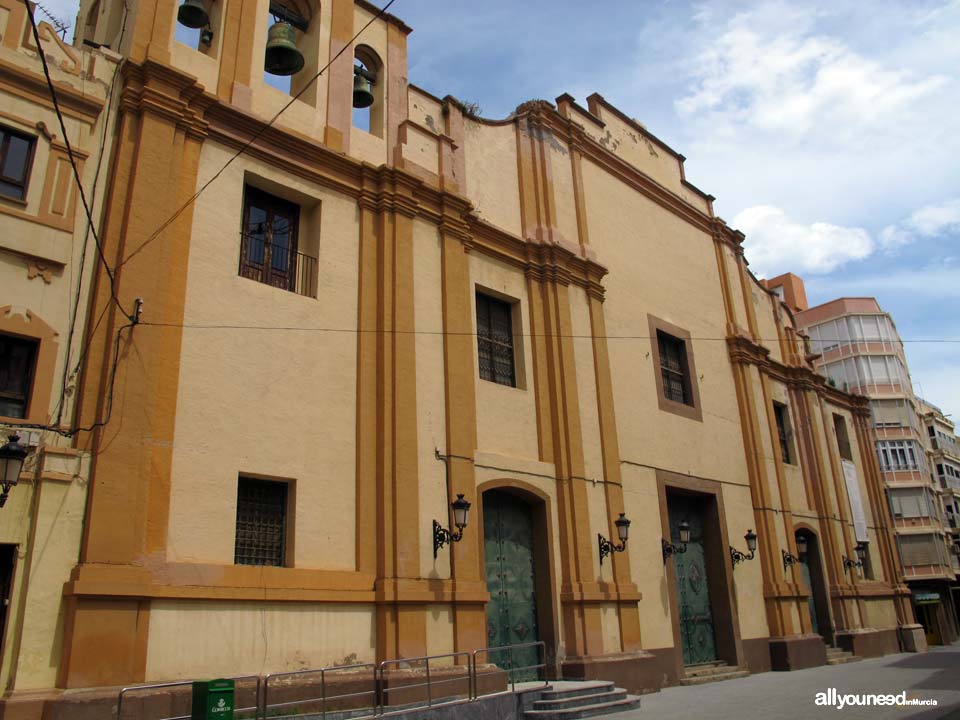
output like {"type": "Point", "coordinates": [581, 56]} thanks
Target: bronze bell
{"type": "Point", "coordinates": [362, 97]}
{"type": "Point", "coordinates": [192, 14]}
{"type": "Point", "coordinates": [283, 57]}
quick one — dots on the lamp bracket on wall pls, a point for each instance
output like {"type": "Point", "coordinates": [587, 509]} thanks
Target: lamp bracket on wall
{"type": "Point", "coordinates": [789, 559]}
{"type": "Point", "coordinates": [738, 555]}
{"type": "Point", "coordinates": [282, 12]}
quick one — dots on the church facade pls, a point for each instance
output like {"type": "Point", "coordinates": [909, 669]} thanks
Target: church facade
{"type": "Point", "coordinates": [343, 320]}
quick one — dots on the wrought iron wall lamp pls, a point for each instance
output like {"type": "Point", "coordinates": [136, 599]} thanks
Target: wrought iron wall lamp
{"type": "Point", "coordinates": [443, 536]}
{"type": "Point", "coordinates": [623, 532]}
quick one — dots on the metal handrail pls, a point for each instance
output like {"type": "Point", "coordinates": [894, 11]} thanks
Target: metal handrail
{"type": "Point", "coordinates": [323, 689]}
{"type": "Point", "coordinates": [542, 655]}
{"type": "Point", "coordinates": [134, 688]}
{"type": "Point", "coordinates": [384, 690]}
{"type": "Point", "coordinates": [380, 691]}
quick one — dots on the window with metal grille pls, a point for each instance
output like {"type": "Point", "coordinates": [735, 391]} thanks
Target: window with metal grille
{"type": "Point", "coordinates": [495, 340]}
{"type": "Point", "coordinates": [17, 360]}
{"type": "Point", "coordinates": [16, 157]}
{"type": "Point", "coordinates": [261, 522]}
{"type": "Point", "coordinates": [673, 368]}
{"type": "Point", "coordinates": [784, 432]}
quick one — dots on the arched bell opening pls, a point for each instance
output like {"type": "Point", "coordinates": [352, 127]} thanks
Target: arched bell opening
{"type": "Point", "coordinates": [198, 25]}
{"type": "Point", "coordinates": [292, 50]}
{"type": "Point", "coordinates": [368, 91]}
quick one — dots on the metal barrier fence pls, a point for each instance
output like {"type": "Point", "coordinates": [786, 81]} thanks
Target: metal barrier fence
{"type": "Point", "coordinates": [512, 669]}
{"type": "Point", "coordinates": [386, 677]}
{"type": "Point", "coordinates": [135, 690]}
{"type": "Point", "coordinates": [409, 689]}
{"type": "Point", "coordinates": [324, 699]}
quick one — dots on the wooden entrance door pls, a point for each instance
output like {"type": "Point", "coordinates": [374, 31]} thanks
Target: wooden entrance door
{"type": "Point", "coordinates": [697, 636]}
{"type": "Point", "coordinates": [508, 552]}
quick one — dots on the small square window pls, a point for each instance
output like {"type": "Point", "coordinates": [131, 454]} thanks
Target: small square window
{"type": "Point", "coordinates": [269, 251]}
{"type": "Point", "coordinates": [784, 432]}
{"type": "Point", "coordinates": [16, 158]}
{"type": "Point", "coordinates": [17, 362]}
{"type": "Point", "coordinates": [261, 522]}
{"type": "Point", "coordinates": [495, 340]}
{"type": "Point", "coordinates": [675, 371]}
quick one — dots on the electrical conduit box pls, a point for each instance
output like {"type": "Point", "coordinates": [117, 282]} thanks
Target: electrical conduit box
{"type": "Point", "coordinates": [212, 700]}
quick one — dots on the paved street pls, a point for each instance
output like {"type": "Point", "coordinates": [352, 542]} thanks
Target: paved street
{"type": "Point", "coordinates": [780, 695]}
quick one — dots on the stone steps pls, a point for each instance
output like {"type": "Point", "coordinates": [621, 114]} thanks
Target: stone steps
{"type": "Point", "coordinates": [838, 656]}
{"type": "Point", "coordinates": [711, 672]}
{"type": "Point", "coordinates": [574, 700]}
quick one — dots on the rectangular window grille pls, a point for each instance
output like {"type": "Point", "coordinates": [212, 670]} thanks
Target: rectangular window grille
{"type": "Point", "coordinates": [17, 359]}
{"type": "Point", "coordinates": [673, 368]}
{"type": "Point", "coordinates": [783, 431]}
{"type": "Point", "coordinates": [495, 340]}
{"type": "Point", "coordinates": [16, 157]}
{"type": "Point", "coordinates": [261, 522]}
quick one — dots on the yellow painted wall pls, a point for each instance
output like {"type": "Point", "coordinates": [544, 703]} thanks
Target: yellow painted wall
{"type": "Point", "coordinates": [506, 416]}
{"type": "Point", "coordinates": [431, 410]}
{"type": "Point", "coordinates": [490, 153]}
{"type": "Point", "coordinates": [664, 267]}
{"type": "Point", "coordinates": [43, 516]}
{"type": "Point", "coordinates": [280, 403]}
{"type": "Point", "coordinates": [190, 639]}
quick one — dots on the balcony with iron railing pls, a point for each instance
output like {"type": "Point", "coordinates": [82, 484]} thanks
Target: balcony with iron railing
{"type": "Point", "coordinates": [277, 265]}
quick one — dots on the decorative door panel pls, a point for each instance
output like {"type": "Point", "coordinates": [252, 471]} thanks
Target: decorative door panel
{"type": "Point", "coordinates": [805, 574]}
{"type": "Point", "coordinates": [512, 610]}
{"type": "Point", "coordinates": [693, 594]}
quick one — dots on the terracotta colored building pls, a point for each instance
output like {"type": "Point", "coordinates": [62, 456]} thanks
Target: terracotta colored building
{"type": "Point", "coordinates": [363, 315]}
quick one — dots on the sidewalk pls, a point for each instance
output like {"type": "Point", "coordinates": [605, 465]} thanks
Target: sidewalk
{"type": "Point", "coordinates": [791, 695]}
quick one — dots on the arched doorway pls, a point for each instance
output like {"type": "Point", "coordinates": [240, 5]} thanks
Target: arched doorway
{"type": "Point", "coordinates": [811, 574]}
{"type": "Point", "coordinates": [510, 556]}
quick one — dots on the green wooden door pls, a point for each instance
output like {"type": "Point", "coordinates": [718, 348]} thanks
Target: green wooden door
{"type": "Point", "coordinates": [512, 610]}
{"type": "Point", "coordinates": [693, 593]}
{"type": "Point", "coordinates": [805, 574]}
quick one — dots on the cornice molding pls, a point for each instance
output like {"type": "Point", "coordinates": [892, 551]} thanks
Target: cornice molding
{"type": "Point", "coordinates": [745, 351]}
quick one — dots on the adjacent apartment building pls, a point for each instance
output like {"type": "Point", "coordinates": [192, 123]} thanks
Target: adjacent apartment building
{"type": "Point", "coordinates": [857, 348]}
{"type": "Point", "coordinates": [351, 317]}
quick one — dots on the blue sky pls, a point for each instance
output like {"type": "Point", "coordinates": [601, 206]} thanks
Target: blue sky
{"type": "Point", "coordinates": [827, 131]}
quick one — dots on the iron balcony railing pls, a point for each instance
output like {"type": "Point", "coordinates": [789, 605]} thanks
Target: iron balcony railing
{"type": "Point", "coordinates": [277, 265]}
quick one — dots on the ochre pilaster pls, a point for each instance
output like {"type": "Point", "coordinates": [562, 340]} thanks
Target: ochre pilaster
{"type": "Point", "coordinates": [158, 151]}
{"type": "Point", "coordinates": [469, 618]}
{"type": "Point", "coordinates": [340, 77]}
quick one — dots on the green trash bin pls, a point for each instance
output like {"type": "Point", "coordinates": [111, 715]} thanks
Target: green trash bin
{"type": "Point", "coordinates": [212, 700]}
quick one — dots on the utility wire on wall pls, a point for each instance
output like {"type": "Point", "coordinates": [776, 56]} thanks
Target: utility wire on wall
{"type": "Point", "coordinates": [134, 318]}
{"type": "Point", "coordinates": [74, 310]}
{"type": "Point", "coordinates": [246, 146]}
{"type": "Point", "coordinates": [70, 155]}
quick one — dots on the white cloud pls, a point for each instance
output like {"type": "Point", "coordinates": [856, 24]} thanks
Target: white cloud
{"type": "Point", "coordinates": [928, 221]}
{"type": "Point", "coordinates": [775, 244]}
{"type": "Point", "coordinates": [778, 77]}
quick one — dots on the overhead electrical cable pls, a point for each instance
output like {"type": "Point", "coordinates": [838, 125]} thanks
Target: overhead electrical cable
{"type": "Point", "coordinates": [253, 138]}
{"type": "Point", "coordinates": [70, 155]}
